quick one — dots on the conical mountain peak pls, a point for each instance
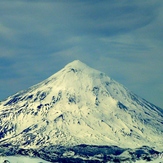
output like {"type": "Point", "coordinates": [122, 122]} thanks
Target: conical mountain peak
{"type": "Point", "coordinates": [75, 72]}
{"type": "Point", "coordinates": [79, 105]}
{"type": "Point", "coordinates": [77, 65]}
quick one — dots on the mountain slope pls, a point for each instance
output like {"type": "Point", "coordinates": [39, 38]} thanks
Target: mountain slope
{"type": "Point", "coordinates": [79, 105]}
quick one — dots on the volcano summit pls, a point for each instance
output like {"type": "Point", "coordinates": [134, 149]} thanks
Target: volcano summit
{"type": "Point", "coordinates": [79, 105]}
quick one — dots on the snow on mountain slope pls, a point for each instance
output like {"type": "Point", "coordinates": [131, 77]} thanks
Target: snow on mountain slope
{"type": "Point", "coordinates": [80, 105]}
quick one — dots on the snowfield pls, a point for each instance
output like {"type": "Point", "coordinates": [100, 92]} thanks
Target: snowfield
{"type": "Point", "coordinates": [25, 159]}
{"type": "Point", "coordinates": [22, 159]}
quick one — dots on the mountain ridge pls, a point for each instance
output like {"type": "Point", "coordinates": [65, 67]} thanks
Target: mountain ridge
{"type": "Point", "coordinates": [79, 105]}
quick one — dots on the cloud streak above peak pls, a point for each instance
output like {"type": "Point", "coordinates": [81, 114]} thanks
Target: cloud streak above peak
{"type": "Point", "coordinates": [121, 38]}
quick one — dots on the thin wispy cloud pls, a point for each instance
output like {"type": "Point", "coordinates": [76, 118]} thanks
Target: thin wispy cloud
{"type": "Point", "coordinates": [122, 38]}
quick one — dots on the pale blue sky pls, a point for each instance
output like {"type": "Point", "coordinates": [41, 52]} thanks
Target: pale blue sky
{"type": "Point", "coordinates": [122, 38]}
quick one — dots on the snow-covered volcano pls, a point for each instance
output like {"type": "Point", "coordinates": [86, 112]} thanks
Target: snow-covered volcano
{"type": "Point", "coordinates": [80, 105]}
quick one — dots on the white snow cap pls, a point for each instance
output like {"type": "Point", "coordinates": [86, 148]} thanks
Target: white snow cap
{"type": "Point", "coordinates": [78, 65]}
